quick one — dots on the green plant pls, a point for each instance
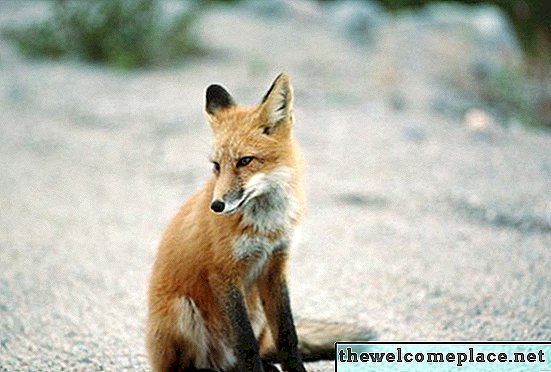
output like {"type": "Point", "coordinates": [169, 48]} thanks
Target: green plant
{"type": "Point", "coordinates": [506, 89]}
{"type": "Point", "coordinates": [120, 33]}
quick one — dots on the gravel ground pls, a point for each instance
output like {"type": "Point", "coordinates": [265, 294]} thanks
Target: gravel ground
{"type": "Point", "coordinates": [417, 227]}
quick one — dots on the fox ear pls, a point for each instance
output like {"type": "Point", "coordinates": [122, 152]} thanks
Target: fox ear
{"type": "Point", "coordinates": [277, 104]}
{"type": "Point", "coordinates": [218, 98]}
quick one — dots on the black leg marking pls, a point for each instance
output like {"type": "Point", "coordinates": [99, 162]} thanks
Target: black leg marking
{"type": "Point", "coordinates": [246, 344]}
{"type": "Point", "coordinates": [287, 341]}
{"type": "Point", "coordinates": [269, 367]}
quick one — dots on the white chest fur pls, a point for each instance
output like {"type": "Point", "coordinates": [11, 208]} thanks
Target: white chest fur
{"type": "Point", "coordinates": [271, 209]}
{"type": "Point", "coordinates": [273, 206]}
{"type": "Point", "coordinates": [256, 251]}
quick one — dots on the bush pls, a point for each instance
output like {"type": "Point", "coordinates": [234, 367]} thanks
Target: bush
{"type": "Point", "coordinates": [120, 33]}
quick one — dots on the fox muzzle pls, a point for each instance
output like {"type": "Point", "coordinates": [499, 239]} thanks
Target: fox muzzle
{"type": "Point", "coordinates": [217, 206]}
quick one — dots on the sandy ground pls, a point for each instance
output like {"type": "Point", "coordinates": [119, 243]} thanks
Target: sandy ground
{"type": "Point", "coordinates": [416, 227]}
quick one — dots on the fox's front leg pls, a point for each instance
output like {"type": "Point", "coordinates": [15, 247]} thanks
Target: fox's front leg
{"type": "Point", "coordinates": [277, 306]}
{"type": "Point", "coordinates": [245, 343]}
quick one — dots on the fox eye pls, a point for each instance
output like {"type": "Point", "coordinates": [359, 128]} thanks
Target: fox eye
{"type": "Point", "coordinates": [215, 167]}
{"type": "Point", "coordinates": [244, 161]}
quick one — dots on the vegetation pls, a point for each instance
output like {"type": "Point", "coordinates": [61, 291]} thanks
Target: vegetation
{"type": "Point", "coordinates": [120, 33]}
{"type": "Point", "coordinates": [507, 92]}
{"type": "Point", "coordinates": [138, 33]}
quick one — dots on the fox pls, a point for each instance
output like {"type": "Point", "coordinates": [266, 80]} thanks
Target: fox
{"type": "Point", "coordinates": [218, 297]}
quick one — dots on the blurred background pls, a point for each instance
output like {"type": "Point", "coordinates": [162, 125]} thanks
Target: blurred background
{"type": "Point", "coordinates": [425, 128]}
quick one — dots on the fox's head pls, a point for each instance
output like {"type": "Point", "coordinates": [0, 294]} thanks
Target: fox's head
{"type": "Point", "coordinates": [253, 152]}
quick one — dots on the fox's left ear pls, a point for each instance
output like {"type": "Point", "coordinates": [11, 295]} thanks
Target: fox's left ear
{"type": "Point", "coordinates": [217, 98]}
{"type": "Point", "coordinates": [277, 104]}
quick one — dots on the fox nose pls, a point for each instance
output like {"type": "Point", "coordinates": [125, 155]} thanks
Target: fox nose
{"type": "Point", "coordinates": [217, 206]}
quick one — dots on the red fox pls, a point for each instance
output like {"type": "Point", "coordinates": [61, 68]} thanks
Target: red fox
{"type": "Point", "coordinates": [218, 297]}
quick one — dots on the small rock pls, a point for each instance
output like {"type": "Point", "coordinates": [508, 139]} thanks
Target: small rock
{"type": "Point", "coordinates": [398, 101]}
{"type": "Point", "coordinates": [272, 9]}
{"type": "Point", "coordinates": [361, 200]}
{"type": "Point", "coordinates": [414, 133]}
{"type": "Point", "coordinates": [284, 8]}
{"type": "Point", "coordinates": [358, 20]}
{"type": "Point", "coordinates": [477, 120]}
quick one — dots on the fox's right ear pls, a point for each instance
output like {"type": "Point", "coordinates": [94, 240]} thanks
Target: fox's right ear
{"type": "Point", "coordinates": [218, 99]}
{"type": "Point", "coordinates": [277, 104]}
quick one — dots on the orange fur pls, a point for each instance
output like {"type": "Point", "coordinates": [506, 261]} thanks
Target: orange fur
{"type": "Point", "coordinates": [202, 254]}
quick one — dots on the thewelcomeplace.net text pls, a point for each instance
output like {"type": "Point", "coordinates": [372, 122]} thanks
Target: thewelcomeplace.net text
{"type": "Point", "coordinates": [470, 355]}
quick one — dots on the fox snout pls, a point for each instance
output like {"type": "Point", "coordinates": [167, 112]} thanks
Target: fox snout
{"type": "Point", "coordinates": [217, 206]}
{"type": "Point", "coordinates": [229, 202]}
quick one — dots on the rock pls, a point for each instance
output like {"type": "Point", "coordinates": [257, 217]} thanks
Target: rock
{"type": "Point", "coordinates": [488, 24]}
{"type": "Point", "coordinates": [479, 120]}
{"type": "Point", "coordinates": [468, 55]}
{"type": "Point", "coordinates": [284, 8]}
{"type": "Point", "coordinates": [358, 20]}
{"type": "Point", "coordinates": [276, 8]}
{"type": "Point", "coordinates": [397, 101]}
{"type": "Point", "coordinates": [414, 133]}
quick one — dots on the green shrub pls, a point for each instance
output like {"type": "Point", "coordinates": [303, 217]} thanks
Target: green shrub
{"type": "Point", "coordinates": [507, 91]}
{"type": "Point", "coordinates": [120, 33]}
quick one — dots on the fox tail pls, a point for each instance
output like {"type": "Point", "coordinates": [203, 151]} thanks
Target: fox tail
{"type": "Point", "coordinates": [316, 340]}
